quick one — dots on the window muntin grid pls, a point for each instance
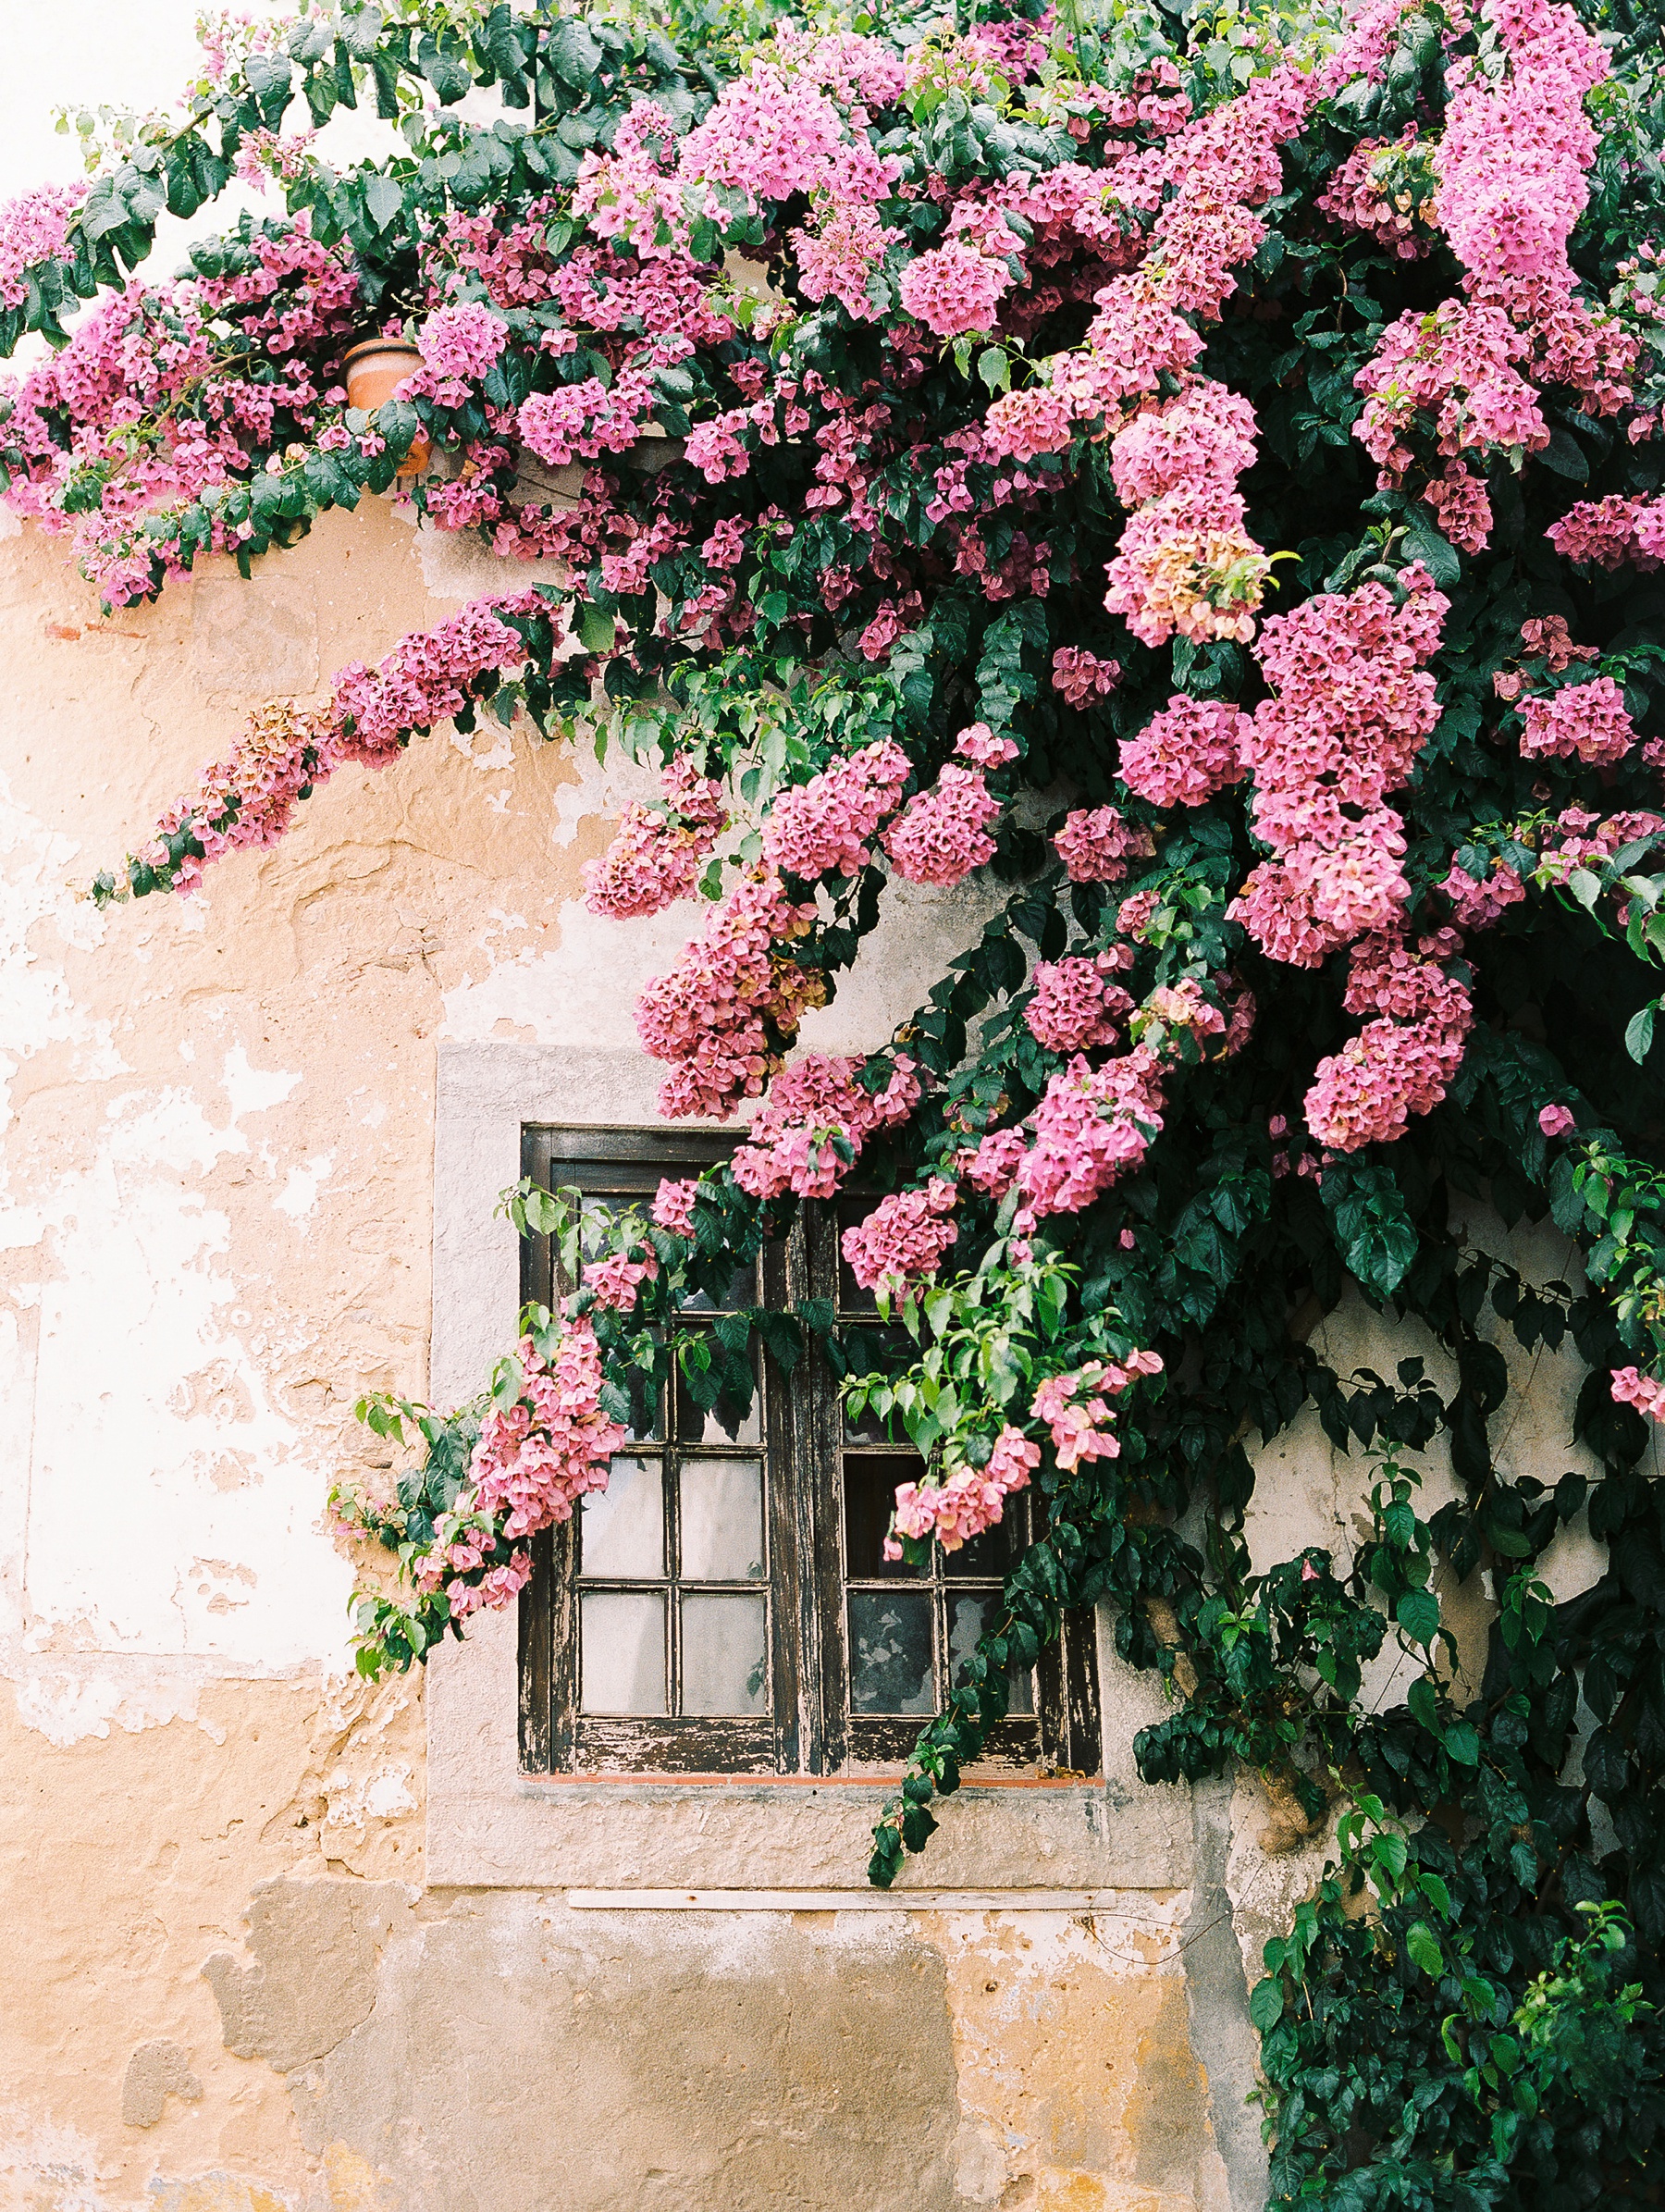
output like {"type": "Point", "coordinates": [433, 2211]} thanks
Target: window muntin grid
{"type": "Point", "coordinates": [651, 1561]}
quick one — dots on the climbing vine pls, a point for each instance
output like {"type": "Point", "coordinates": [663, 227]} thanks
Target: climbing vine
{"type": "Point", "coordinates": [1199, 467]}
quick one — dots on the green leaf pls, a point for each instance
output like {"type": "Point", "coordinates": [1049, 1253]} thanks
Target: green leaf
{"type": "Point", "coordinates": [1437, 554]}
{"type": "Point", "coordinates": [383, 200]}
{"type": "Point", "coordinates": [573, 54]}
{"type": "Point", "coordinates": [1418, 1614]}
{"type": "Point", "coordinates": [598, 631]}
{"type": "Point", "coordinates": [1423, 1946]}
{"type": "Point", "coordinates": [1267, 2004]}
{"type": "Point", "coordinates": [1639, 1030]}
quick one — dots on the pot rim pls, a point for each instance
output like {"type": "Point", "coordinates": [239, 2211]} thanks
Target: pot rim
{"type": "Point", "coordinates": [361, 348]}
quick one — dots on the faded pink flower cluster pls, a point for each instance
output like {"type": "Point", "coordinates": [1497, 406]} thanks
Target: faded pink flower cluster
{"type": "Point", "coordinates": [1475, 906]}
{"type": "Point", "coordinates": [967, 1501]}
{"type": "Point", "coordinates": [1096, 843]}
{"type": "Point", "coordinates": [1081, 676]}
{"type": "Point", "coordinates": [672, 1205]}
{"type": "Point", "coordinates": [34, 227]}
{"type": "Point", "coordinates": [941, 835]}
{"type": "Point", "coordinates": [1608, 533]}
{"type": "Point", "coordinates": [1091, 1127]}
{"type": "Point", "coordinates": [1353, 705]}
{"type": "Point", "coordinates": [1184, 755]}
{"type": "Point", "coordinates": [791, 1145]}
{"type": "Point", "coordinates": [656, 854]}
{"type": "Point", "coordinates": [902, 1239]}
{"type": "Point", "coordinates": [1402, 1062]}
{"type": "Point", "coordinates": [1588, 720]}
{"type": "Point", "coordinates": [1383, 191]}
{"type": "Point", "coordinates": [537, 1458]}
{"type": "Point", "coordinates": [1076, 1406]}
{"type": "Point", "coordinates": [826, 824]}
{"type": "Point", "coordinates": [1640, 1390]}
{"type": "Point", "coordinates": [712, 1015]}
{"type": "Point", "coordinates": [459, 345]}
{"type": "Point", "coordinates": [1076, 1006]}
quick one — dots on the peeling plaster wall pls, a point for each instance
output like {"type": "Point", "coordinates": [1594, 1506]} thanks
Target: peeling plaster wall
{"type": "Point", "coordinates": [230, 1988]}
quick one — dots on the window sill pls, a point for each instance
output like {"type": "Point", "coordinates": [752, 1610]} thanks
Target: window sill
{"type": "Point", "coordinates": [490, 1826]}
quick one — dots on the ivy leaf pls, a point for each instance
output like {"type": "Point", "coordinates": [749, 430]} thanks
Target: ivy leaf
{"type": "Point", "coordinates": [1373, 1226]}
{"type": "Point", "coordinates": [1267, 2004]}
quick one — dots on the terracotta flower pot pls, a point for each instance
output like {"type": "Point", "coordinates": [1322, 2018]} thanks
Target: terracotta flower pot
{"type": "Point", "coordinates": [375, 370]}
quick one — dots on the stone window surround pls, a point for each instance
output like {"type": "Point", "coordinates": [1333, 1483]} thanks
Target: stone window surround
{"type": "Point", "coordinates": [491, 1826]}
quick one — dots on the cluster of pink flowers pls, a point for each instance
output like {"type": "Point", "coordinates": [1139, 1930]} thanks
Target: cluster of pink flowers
{"type": "Point", "coordinates": [159, 395]}
{"type": "Point", "coordinates": [1091, 1127]}
{"type": "Point", "coordinates": [1076, 1007]}
{"type": "Point", "coordinates": [1185, 563]}
{"type": "Point", "coordinates": [1588, 720]}
{"type": "Point", "coordinates": [1184, 755]}
{"type": "Point", "coordinates": [1511, 165]}
{"type": "Point", "coordinates": [1383, 191]}
{"type": "Point", "coordinates": [458, 346]}
{"type": "Point", "coordinates": [1081, 676]}
{"type": "Point", "coordinates": [453, 1565]}
{"type": "Point", "coordinates": [713, 1015]}
{"type": "Point", "coordinates": [992, 1166]}
{"type": "Point", "coordinates": [34, 227]}
{"type": "Point", "coordinates": [1076, 1406]}
{"type": "Point", "coordinates": [1402, 1062]}
{"type": "Point", "coordinates": [967, 1501]}
{"type": "Point", "coordinates": [954, 288]}
{"type": "Point", "coordinates": [1608, 533]}
{"type": "Point", "coordinates": [902, 1239]}
{"type": "Point", "coordinates": [941, 835]}
{"type": "Point", "coordinates": [1096, 843]}
{"type": "Point", "coordinates": [1640, 1390]}
{"type": "Point", "coordinates": [790, 1145]}
{"type": "Point", "coordinates": [1557, 1120]}
{"type": "Point", "coordinates": [978, 743]}
{"type": "Point", "coordinates": [672, 1205]}
{"type": "Point", "coordinates": [537, 1458]}
{"type": "Point", "coordinates": [247, 800]}
{"type": "Point", "coordinates": [656, 852]}
{"type": "Point", "coordinates": [827, 824]}
{"type": "Point", "coordinates": [1475, 906]}
{"type": "Point", "coordinates": [1353, 705]}
{"type": "Point", "coordinates": [1457, 371]}
{"type": "Point", "coordinates": [616, 1279]}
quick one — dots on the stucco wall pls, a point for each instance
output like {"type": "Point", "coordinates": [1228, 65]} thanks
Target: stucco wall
{"type": "Point", "coordinates": [229, 1984]}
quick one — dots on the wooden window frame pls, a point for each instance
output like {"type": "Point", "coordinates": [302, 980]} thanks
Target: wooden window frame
{"type": "Point", "coordinates": [809, 1730]}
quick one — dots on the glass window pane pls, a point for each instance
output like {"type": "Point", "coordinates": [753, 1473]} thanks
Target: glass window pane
{"type": "Point", "coordinates": [623, 1525]}
{"type": "Point", "coordinates": [969, 1614]}
{"type": "Point", "coordinates": [722, 1520]}
{"type": "Point", "coordinates": [721, 1424]}
{"type": "Point", "coordinates": [987, 1558]}
{"type": "Point", "coordinates": [741, 1290]}
{"type": "Point", "coordinates": [869, 1493]}
{"type": "Point", "coordinates": [851, 1298]}
{"type": "Point", "coordinates": [622, 1634]}
{"type": "Point", "coordinates": [890, 1652]}
{"type": "Point", "coordinates": [725, 1667]}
